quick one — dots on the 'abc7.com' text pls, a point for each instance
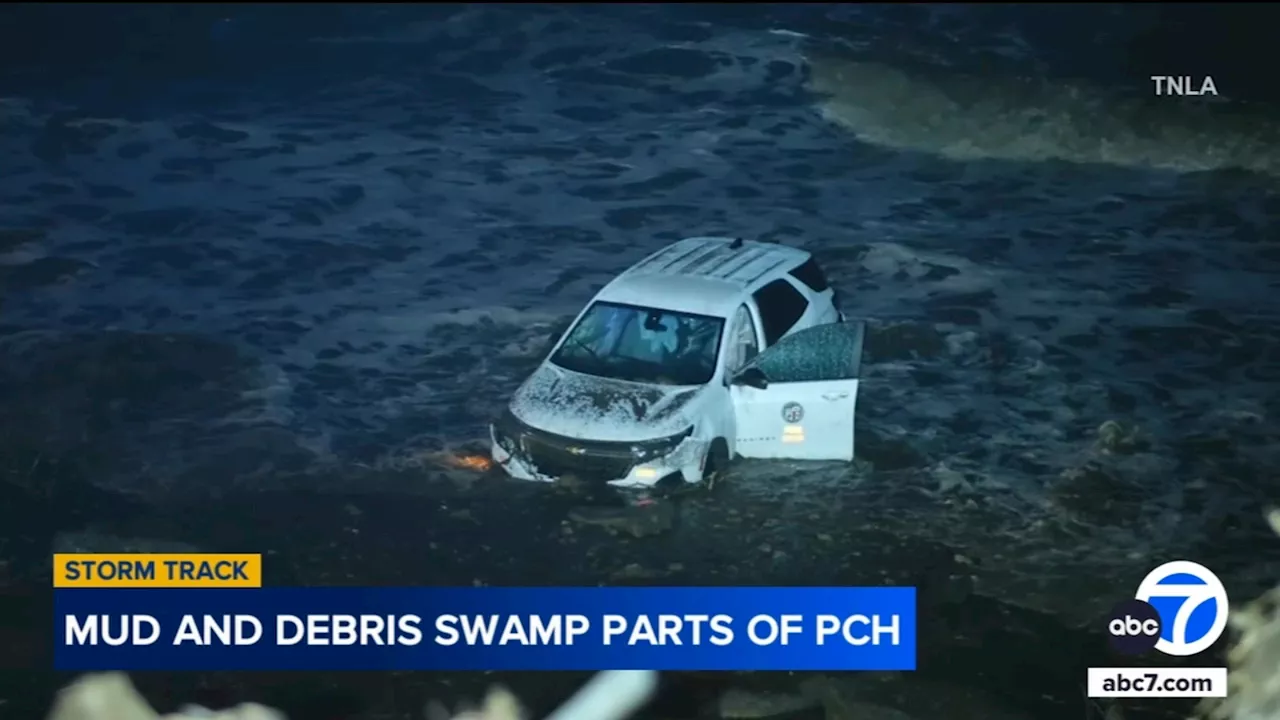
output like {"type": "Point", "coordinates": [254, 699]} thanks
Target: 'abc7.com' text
{"type": "Point", "coordinates": [546, 629]}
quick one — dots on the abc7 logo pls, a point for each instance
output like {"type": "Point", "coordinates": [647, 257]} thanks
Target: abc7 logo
{"type": "Point", "coordinates": [1134, 627]}
{"type": "Point", "coordinates": [1198, 618]}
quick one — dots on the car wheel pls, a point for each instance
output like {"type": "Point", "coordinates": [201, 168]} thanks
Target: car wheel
{"type": "Point", "coordinates": [717, 462]}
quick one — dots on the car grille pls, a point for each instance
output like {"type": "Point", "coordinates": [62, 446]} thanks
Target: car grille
{"type": "Point", "coordinates": [555, 456]}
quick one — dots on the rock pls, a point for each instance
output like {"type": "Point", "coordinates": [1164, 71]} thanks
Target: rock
{"type": "Point", "coordinates": [101, 697]}
{"type": "Point", "coordinates": [1254, 681]}
{"type": "Point", "coordinates": [112, 697]}
{"type": "Point", "coordinates": [499, 704]}
{"type": "Point", "coordinates": [1117, 438]}
{"type": "Point", "coordinates": [949, 480]}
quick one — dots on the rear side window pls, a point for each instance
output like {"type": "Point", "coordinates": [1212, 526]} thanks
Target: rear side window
{"type": "Point", "coordinates": [781, 305]}
{"type": "Point", "coordinates": [811, 275]}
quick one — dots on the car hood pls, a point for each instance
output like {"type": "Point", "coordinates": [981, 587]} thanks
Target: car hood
{"type": "Point", "coordinates": [587, 407]}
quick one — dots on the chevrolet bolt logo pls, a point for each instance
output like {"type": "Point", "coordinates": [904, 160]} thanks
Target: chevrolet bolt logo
{"type": "Point", "coordinates": [577, 450]}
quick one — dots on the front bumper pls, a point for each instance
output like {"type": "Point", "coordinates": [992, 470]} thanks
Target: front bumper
{"type": "Point", "coordinates": [530, 454]}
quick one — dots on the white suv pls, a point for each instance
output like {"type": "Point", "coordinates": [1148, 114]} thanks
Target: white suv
{"type": "Point", "coordinates": [709, 349]}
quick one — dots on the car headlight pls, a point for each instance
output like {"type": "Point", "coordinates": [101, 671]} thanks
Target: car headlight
{"type": "Point", "coordinates": [650, 449]}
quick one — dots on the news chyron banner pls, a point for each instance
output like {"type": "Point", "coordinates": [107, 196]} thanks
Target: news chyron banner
{"type": "Point", "coordinates": [211, 612]}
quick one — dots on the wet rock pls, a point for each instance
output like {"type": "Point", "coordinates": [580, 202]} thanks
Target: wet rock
{"type": "Point", "coordinates": [1254, 659]}
{"type": "Point", "coordinates": [961, 344]}
{"type": "Point", "coordinates": [101, 697]}
{"type": "Point", "coordinates": [499, 704]}
{"type": "Point", "coordinates": [112, 697]}
{"type": "Point", "coordinates": [1116, 437]}
{"type": "Point", "coordinates": [635, 520]}
{"type": "Point", "coordinates": [950, 480]}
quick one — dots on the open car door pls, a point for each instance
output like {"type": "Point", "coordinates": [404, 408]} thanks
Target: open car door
{"type": "Point", "coordinates": [796, 400]}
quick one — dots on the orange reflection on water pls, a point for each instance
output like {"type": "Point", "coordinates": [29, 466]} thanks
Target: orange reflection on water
{"type": "Point", "coordinates": [479, 463]}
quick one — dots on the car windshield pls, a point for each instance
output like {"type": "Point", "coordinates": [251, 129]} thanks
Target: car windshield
{"type": "Point", "coordinates": [644, 345]}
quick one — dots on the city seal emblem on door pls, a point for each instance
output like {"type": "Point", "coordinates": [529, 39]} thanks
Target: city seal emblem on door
{"type": "Point", "coordinates": [793, 412]}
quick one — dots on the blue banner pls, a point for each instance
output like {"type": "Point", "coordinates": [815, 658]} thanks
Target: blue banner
{"type": "Point", "coordinates": [586, 628]}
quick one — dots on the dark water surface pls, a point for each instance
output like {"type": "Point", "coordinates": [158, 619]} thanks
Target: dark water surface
{"type": "Point", "coordinates": [265, 270]}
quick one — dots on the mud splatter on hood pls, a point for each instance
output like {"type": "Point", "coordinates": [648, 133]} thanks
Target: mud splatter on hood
{"type": "Point", "coordinates": [583, 406]}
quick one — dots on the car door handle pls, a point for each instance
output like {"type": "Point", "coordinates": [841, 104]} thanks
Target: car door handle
{"type": "Point", "coordinates": [834, 396]}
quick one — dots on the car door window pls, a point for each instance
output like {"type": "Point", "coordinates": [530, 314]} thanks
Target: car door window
{"type": "Point", "coordinates": [743, 344]}
{"type": "Point", "coordinates": [824, 352]}
{"type": "Point", "coordinates": [781, 305]}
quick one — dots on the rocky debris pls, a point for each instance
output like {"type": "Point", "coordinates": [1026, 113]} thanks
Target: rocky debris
{"type": "Point", "coordinates": [112, 697]}
{"type": "Point", "coordinates": [613, 695]}
{"type": "Point", "coordinates": [1254, 684]}
{"type": "Point", "coordinates": [1114, 480]}
{"type": "Point", "coordinates": [499, 704]}
{"type": "Point", "coordinates": [1115, 437]}
{"type": "Point", "coordinates": [610, 695]}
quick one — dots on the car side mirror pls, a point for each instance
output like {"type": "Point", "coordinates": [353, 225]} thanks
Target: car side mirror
{"type": "Point", "coordinates": [752, 377]}
{"type": "Point", "coordinates": [553, 337]}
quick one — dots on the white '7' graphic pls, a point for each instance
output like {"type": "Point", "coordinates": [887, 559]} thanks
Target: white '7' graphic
{"type": "Point", "coordinates": [1196, 595]}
